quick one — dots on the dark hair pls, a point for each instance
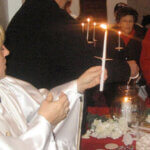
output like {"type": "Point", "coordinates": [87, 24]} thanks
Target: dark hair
{"type": "Point", "coordinates": [146, 20]}
{"type": "Point", "coordinates": [68, 4]}
{"type": "Point", "coordinates": [119, 6]}
{"type": "Point", "coordinates": [126, 11]}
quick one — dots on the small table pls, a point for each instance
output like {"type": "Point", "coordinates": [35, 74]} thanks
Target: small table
{"type": "Point", "coordinates": [97, 144]}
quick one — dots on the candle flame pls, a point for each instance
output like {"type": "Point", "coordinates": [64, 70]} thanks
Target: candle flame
{"type": "Point", "coordinates": [104, 26]}
{"type": "Point", "coordinates": [94, 23]}
{"type": "Point", "coordinates": [88, 19]}
{"type": "Point", "coordinates": [119, 32]}
{"type": "Point", "coordinates": [82, 24]}
{"type": "Point", "coordinates": [126, 99]}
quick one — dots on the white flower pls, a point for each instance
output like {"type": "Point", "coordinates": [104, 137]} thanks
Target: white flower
{"type": "Point", "coordinates": [143, 142]}
{"type": "Point", "coordinates": [148, 119]}
{"type": "Point", "coordinates": [86, 135]}
{"type": "Point", "coordinates": [113, 128]}
{"type": "Point", "coordinates": [128, 139]}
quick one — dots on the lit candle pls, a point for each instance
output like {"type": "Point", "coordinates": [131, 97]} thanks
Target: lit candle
{"type": "Point", "coordinates": [126, 109]}
{"type": "Point", "coordinates": [119, 33]}
{"type": "Point", "coordinates": [104, 26]}
{"type": "Point", "coordinates": [88, 28]}
{"type": "Point", "coordinates": [94, 24]}
{"type": "Point", "coordinates": [82, 24]}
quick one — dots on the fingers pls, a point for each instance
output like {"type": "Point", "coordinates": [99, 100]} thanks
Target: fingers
{"type": "Point", "coordinates": [63, 98]}
{"type": "Point", "coordinates": [94, 69]}
{"type": "Point", "coordinates": [87, 79]}
{"type": "Point", "coordinates": [49, 97]}
{"type": "Point", "coordinates": [66, 110]}
{"type": "Point", "coordinates": [65, 102]}
{"type": "Point", "coordinates": [93, 72]}
{"type": "Point", "coordinates": [95, 78]}
{"type": "Point", "coordinates": [133, 67]}
{"type": "Point", "coordinates": [105, 75]}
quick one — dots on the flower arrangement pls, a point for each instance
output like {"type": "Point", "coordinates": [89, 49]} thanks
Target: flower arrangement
{"type": "Point", "coordinates": [113, 128]}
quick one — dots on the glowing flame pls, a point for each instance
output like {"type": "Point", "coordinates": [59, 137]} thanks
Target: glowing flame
{"type": "Point", "coordinates": [104, 26]}
{"type": "Point", "coordinates": [88, 19]}
{"type": "Point", "coordinates": [82, 24]}
{"type": "Point", "coordinates": [119, 32]}
{"type": "Point", "coordinates": [126, 99]}
{"type": "Point", "coordinates": [94, 23]}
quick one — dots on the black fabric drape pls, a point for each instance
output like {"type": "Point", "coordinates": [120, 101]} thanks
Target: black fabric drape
{"type": "Point", "coordinates": [47, 47]}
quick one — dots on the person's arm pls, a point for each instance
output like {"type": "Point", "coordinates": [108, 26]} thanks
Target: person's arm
{"type": "Point", "coordinates": [39, 134]}
{"type": "Point", "coordinates": [74, 89]}
{"type": "Point", "coordinates": [34, 138]}
{"type": "Point", "coordinates": [88, 79]}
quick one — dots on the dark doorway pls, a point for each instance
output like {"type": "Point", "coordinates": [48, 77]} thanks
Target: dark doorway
{"type": "Point", "coordinates": [94, 8]}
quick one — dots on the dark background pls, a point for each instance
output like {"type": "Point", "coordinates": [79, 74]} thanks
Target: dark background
{"type": "Point", "coordinates": [94, 8]}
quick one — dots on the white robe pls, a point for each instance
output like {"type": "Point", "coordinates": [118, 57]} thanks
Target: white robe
{"type": "Point", "coordinates": [21, 128]}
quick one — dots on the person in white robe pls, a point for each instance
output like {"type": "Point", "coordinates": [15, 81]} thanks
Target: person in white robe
{"type": "Point", "coordinates": [31, 120]}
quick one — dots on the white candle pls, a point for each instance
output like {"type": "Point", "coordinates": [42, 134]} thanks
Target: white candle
{"type": "Point", "coordinates": [82, 24]}
{"type": "Point", "coordinates": [104, 57]}
{"type": "Point", "coordinates": [88, 27]}
{"type": "Point", "coordinates": [119, 32]}
{"type": "Point", "coordinates": [126, 109]}
{"type": "Point", "coordinates": [94, 24]}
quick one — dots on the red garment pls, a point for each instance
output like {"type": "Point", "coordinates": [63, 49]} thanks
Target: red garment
{"type": "Point", "coordinates": [145, 57]}
{"type": "Point", "coordinates": [126, 39]}
{"type": "Point", "coordinates": [99, 110]}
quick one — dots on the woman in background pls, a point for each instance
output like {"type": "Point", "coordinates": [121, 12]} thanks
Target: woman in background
{"type": "Point", "coordinates": [128, 48]}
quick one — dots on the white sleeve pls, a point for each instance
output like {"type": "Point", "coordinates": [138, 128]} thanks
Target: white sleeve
{"type": "Point", "coordinates": [37, 137]}
{"type": "Point", "coordinates": [67, 131]}
{"type": "Point", "coordinates": [70, 89]}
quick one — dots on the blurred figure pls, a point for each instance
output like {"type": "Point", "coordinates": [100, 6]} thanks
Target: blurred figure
{"type": "Point", "coordinates": [130, 46]}
{"type": "Point", "coordinates": [67, 7]}
{"type": "Point", "coordinates": [119, 6]}
{"type": "Point", "coordinates": [126, 17]}
{"type": "Point", "coordinates": [46, 44]}
{"type": "Point", "coordinates": [73, 8]}
{"type": "Point", "coordinates": [131, 38]}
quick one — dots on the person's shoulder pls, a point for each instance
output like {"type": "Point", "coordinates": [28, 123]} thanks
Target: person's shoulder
{"type": "Point", "coordinates": [17, 81]}
{"type": "Point", "coordinates": [32, 5]}
{"type": "Point", "coordinates": [24, 88]}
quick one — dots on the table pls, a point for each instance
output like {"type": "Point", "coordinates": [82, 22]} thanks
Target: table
{"type": "Point", "coordinates": [94, 143]}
